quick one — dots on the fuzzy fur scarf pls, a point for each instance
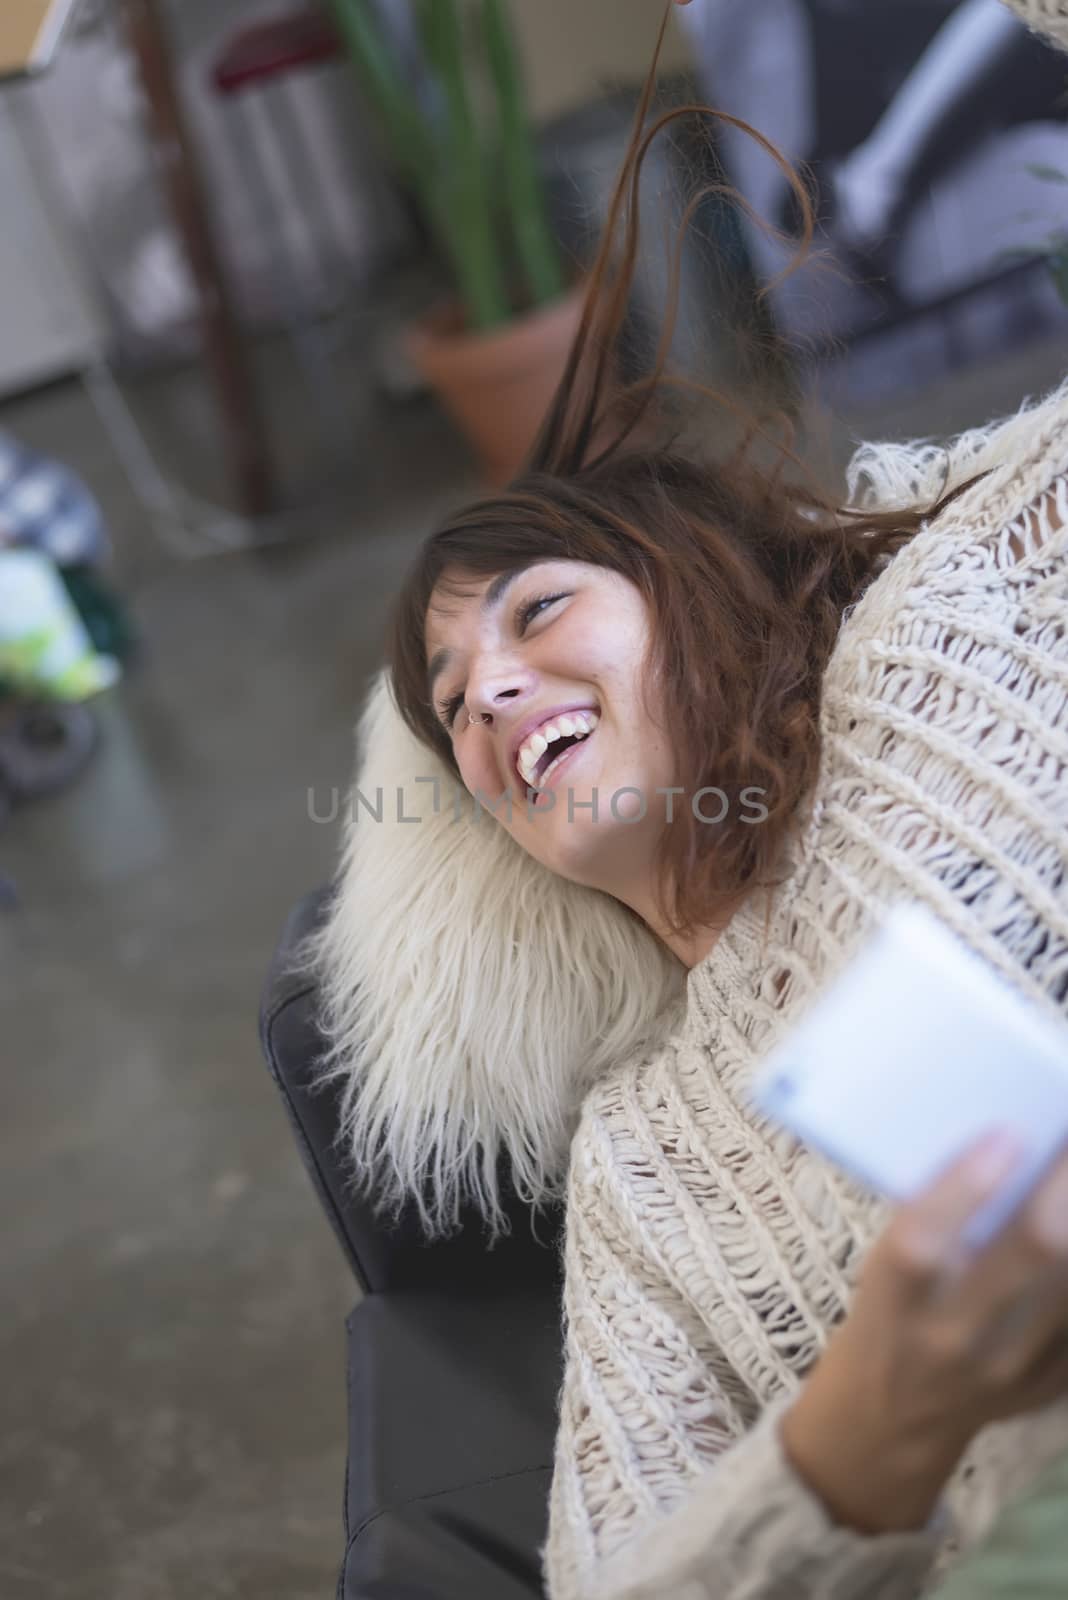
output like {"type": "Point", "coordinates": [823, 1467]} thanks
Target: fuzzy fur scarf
{"type": "Point", "coordinates": [470, 996]}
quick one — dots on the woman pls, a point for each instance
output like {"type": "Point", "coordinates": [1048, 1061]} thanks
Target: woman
{"type": "Point", "coordinates": [771, 719]}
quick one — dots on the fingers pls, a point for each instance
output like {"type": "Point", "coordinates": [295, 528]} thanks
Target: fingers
{"type": "Point", "coordinates": [965, 1335]}
{"type": "Point", "coordinates": [1032, 1249]}
{"type": "Point", "coordinates": [1019, 1284]}
{"type": "Point", "coordinates": [924, 1239]}
{"type": "Point", "coordinates": [1025, 1328]}
{"type": "Point", "coordinates": [1004, 1307]}
{"type": "Point", "coordinates": [1046, 1216]}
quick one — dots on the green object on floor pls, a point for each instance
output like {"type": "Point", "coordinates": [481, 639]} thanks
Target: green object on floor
{"type": "Point", "coordinates": [45, 649]}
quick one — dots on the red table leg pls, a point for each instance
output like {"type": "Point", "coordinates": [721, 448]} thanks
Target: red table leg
{"type": "Point", "coordinates": [248, 445]}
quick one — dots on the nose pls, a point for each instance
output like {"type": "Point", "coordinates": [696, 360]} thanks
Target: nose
{"type": "Point", "coordinates": [497, 692]}
{"type": "Point", "coordinates": [483, 703]}
{"type": "Point", "coordinates": [501, 677]}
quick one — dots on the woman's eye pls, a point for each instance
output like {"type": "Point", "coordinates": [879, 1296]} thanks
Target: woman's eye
{"type": "Point", "coordinates": [529, 610]}
{"type": "Point", "coordinates": [450, 707]}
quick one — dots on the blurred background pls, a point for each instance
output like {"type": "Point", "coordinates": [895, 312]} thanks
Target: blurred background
{"type": "Point", "coordinates": [277, 286]}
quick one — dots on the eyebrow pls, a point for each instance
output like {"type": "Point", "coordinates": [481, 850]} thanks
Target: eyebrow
{"type": "Point", "coordinates": [492, 597]}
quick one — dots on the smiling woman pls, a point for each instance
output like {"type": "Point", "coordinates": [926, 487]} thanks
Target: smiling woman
{"type": "Point", "coordinates": [768, 1391]}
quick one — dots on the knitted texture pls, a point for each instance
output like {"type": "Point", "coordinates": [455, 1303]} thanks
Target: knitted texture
{"type": "Point", "coordinates": [708, 1254]}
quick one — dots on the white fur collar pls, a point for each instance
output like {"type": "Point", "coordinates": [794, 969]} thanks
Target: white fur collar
{"type": "Point", "coordinates": [471, 996]}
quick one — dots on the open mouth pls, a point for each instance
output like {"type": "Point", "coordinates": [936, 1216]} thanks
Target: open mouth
{"type": "Point", "coordinates": [560, 753]}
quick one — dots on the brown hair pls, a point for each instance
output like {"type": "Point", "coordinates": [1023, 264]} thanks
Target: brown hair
{"type": "Point", "coordinates": [746, 576]}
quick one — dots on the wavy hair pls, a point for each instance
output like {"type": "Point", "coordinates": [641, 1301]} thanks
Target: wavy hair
{"type": "Point", "coordinates": [748, 567]}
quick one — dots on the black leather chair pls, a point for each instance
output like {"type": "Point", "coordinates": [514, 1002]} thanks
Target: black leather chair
{"type": "Point", "coordinates": [454, 1357]}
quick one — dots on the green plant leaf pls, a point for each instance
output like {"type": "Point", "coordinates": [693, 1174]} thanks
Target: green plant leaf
{"type": "Point", "coordinates": [471, 235]}
{"type": "Point", "coordinates": [524, 192]}
{"type": "Point", "coordinates": [388, 94]}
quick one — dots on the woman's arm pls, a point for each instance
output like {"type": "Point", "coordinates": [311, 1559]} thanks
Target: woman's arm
{"type": "Point", "coordinates": [749, 1527]}
{"type": "Point", "coordinates": [667, 1486]}
{"type": "Point", "coordinates": [666, 1489]}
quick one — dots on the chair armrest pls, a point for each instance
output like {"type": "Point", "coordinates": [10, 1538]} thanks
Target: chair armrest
{"type": "Point", "coordinates": [383, 1254]}
{"type": "Point", "coordinates": [452, 1421]}
{"type": "Point", "coordinates": [292, 1046]}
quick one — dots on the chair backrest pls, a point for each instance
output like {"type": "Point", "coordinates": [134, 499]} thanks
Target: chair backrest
{"type": "Point", "coordinates": [383, 1254]}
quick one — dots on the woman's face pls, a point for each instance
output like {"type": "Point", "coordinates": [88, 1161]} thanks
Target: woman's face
{"type": "Point", "coordinates": [522, 664]}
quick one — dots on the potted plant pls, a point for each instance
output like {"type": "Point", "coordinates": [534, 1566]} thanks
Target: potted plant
{"type": "Point", "coordinates": [466, 150]}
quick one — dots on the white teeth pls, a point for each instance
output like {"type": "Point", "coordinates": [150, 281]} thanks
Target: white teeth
{"type": "Point", "coordinates": [582, 723]}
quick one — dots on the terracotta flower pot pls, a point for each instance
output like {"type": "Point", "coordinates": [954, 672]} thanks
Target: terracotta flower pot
{"type": "Point", "coordinates": [497, 386]}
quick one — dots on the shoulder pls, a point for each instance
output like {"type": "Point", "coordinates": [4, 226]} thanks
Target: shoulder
{"type": "Point", "coordinates": [1007, 466]}
{"type": "Point", "coordinates": [942, 707]}
{"type": "Point", "coordinates": [1048, 17]}
{"type": "Point", "coordinates": [1012, 451]}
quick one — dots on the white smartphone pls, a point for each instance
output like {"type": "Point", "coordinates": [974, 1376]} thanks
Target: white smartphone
{"type": "Point", "coordinates": [915, 1051]}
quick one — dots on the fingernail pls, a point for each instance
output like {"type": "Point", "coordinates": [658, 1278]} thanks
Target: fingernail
{"type": "Point", "coordinates": [995, 1158]}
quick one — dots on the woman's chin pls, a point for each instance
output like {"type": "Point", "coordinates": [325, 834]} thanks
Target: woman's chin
{"type": "Point", "coordinates": [571, 840]}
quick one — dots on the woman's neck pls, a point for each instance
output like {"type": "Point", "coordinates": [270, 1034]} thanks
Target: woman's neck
{"type": "Point", "coordinates": [693, 949]}
{"type": "Point", "coordinates": [689, 948]}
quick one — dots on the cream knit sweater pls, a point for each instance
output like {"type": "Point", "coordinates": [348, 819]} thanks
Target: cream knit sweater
{"type": "Point", "coordinates": [477, 1003]}
{"type": "Point", "coordinates": [708, 1256]}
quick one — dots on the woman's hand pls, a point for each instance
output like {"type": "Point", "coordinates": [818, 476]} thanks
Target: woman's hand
{"type": "Point", "coordinates": [936, 1345]}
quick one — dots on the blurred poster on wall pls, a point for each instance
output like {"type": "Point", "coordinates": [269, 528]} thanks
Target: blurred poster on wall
{"type": "Point", "coordinates": [936, 139]}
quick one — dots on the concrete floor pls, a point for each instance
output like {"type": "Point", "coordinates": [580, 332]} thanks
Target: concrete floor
{"type": "Point", "coordinates": [172, 1418]}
